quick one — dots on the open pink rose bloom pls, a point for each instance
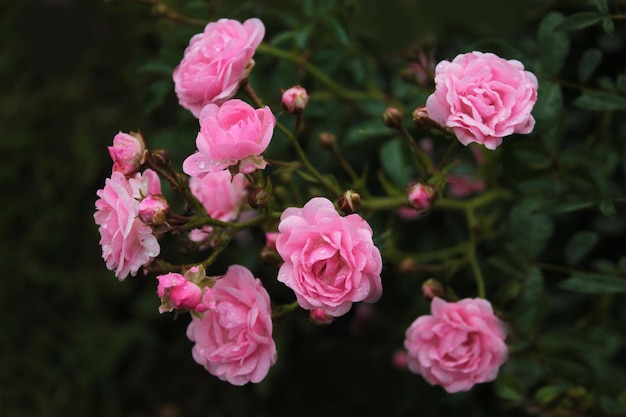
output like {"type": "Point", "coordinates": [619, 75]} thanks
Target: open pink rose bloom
{"type": "Point", "coordinates": [233, 339]}
{"type": "Point", "coordinates": [215, 62]}
{"type": "Point", "coordinates": [330, 261]}
{"type": "Point", "coordinates": [483, 98]}
{"type": "Point", "coordinates": [229, 134]}
{"type": "Point", "coordinates": [127, 243]}
{"type": "Point", "coordinates": [459, 345]}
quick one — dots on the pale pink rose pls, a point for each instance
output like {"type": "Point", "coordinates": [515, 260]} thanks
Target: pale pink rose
{"type": "Point", "coordinates": [127, 243]}
{"type": "Point", "coordinates": [215, 62]}
{"type": "Point", "coordinates": [459, 345]}
{"type": "Point", "coordinates": [221, 193]}
{"type": "Point", "coordinates": [483, 98]}
{"type": "Point", "coordinates": [330, 261]}
{"type": "Point", "coordinates": [295, 99]}
{"type": "Point", "coordinates": [270, 239]}
{"type": "Point", "coordinates": [176, 291]}
{"type": "Point", "coordinates": [459, 186]}
{"type": "Point", "coordinates": [234, 340]}
{"type": "Point", "coordinates": [128, 152]}
{"type": "Point", "coordinates": [230, 133]}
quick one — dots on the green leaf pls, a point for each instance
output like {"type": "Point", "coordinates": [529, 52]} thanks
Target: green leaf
{"type": "Point", "coordinates": [549, 104]}
{"type": "Point", "coordinates": [549, 393]}
{"type": "Point", "coordinates": [580, 20]}
{"type": "Point", "coordinates": [601, 101]}
{"type": "Point", "coordinates": [339, 30]}
{"type": "Point", "coordinates": [394, 155]}
{"type": "Point", "coordinates": [509, 388]}
{"type": "Point", "coordinates": [527, 308]}
{"type": "Point", "coordinates": [564, 206]}
{"type": "Point", "coordinates": [608, 209]}
{"type": "Point", "coordinates": [594, 284]}
{"type": "Point", "coordinates": [553, 43]}
{"type": "Point", "coordinates": [579, 246]}
{"type": "Point", "coordinates": [536, 158]}
{"type": "Point", "coordinates": [621, 83]}
{"type": "Point", "coordinates": [602, 6]}
{"type": "Point", "coordinates": [608, 25]}
{"type": "Point", "coordinates": [303, 35]}
{"type": "Point", "coordinates": [588, 63]}
{"type": "Point", "coordinates": [530, 231]}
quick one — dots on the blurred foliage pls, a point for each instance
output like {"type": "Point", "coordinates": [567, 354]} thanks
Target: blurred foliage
{"type": "Point", "coordinates": [76, 342]}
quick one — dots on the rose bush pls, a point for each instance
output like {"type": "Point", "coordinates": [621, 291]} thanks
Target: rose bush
{"type": "Point", "coordinates": [215, 62]}
{"type": "Point", "coordinates": [231, 133]}
{"type": "Point", "coordinates": [460, 344]}
{"type": "Point", "coordinates": [483, 98]}
{"type": "Point", "coordinates": [233, 341]}
{"type": "Point", "coordinates": [330, 261]}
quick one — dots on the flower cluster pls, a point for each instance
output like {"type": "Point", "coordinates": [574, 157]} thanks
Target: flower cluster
{"type": "Point", "coordinates": [328, 260]}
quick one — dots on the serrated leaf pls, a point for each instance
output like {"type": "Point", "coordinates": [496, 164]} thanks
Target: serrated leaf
{"type": "Point", "coordinates": [621, 83]}
{"type": "Point", "coordinates": [594, 284]}
{"type": "Point", "coordinates": [564, 206]}
{"type": "Point", "coordinates": [579, 246]}
{"type": "Point", "coordinates": [393, 155]}
{"type": "Point", "coordinates": [588, 63]}
{"type": "Point", "coordinates": [600, 101]}
{"type": "Point", "coordinates": [533, 157]}
{"type": "Point", "coordinates": [339, 30]}
{"type": "Point", "coordinates": [549, 393]}
{"type": "Point", "coordinates": [608, 209]}
{"type": "Point", "coordinates": [580, 21]}
{"type": "Point", "coordinates": [530, 231]}
{"type": "Point", "coordinates": [549, 104]}
{"type": "Point", "coordinates": [553, 43]}
{"type": "Point", "coordinates": [303, 35]}
{"type": "Point", "coordinates": [602, 6]}
{"type": "Point", "coordinates": [608, 25]}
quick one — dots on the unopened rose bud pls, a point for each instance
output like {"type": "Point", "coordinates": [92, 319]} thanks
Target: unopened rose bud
{"type": "Point", "coordinates": [349, 202]}
{"type": "Point", "coordinates": [408, 266]}
{"type": "Point", "coordinates": [319, 317]}
{"type": "Point", "coordinates": [270, 239]}
{"type": "Point", "coordinates": [176, 292]}
{"type": "Point", "coordinates": [400, 360]}
{"type": "Point", "coordinates": [128, 152]}
{"type": "Point", "coordinates": [295, 99]}
{"type": "Point", "coordinates": [327, 140]}
{"type": "Point", "coordinates": [154, 210]}
{"type": "Point", "coordinates": [421, 196]}
{"type": "Point", "coordinates": [392, 117]}
{"type": "Point", "coordinates": [421, 120]}
{"type": "Point", "coordinates": [432, 288]}
{"type": "Point", "coordinates": [257, 198]}
{"type": "Point", "coordinates": [159, 158]}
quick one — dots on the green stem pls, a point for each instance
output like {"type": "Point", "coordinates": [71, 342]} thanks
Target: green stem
{"type": "Point", "coordinates": [473, 259]}
{"type": "Point", "coordinates": [283, 309]}
{"type": "Point", "coordinates": [318, 74]}
{"type": "Point", "coordinates": [422, 160]}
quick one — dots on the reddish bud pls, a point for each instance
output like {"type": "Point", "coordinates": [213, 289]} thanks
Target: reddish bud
{"type": "Point", "coordinates": [349, 202]}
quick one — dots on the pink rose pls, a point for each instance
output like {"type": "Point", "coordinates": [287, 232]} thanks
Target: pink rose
{"type": "Point", "coordinates": [329, 261]}
{"type": "Point", "coordinates": [483, 98]}
{"type": "Point", "coordinates": [229, 134]}
{"type": "Point", "coordinates": [295, 99]}
{"type": "Point", "coordinates": [221, 193]}
{"type": "Point", "coordinates": [127, 243]}
{"type": "Point", "coordinates": [459, 345]}
{"type": "Point", "coordinates": [234, 341]}
{"type": "Point", "coordinates": [215, 62]}
{"type": "Point", "coordinates": [154, 209]}
{"type": "Point", "coordinates": [176, 291]}
{"type": "Point", "coordinates": [128, 152]}
{"type": "Point", "coordinates": [459, 186]}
